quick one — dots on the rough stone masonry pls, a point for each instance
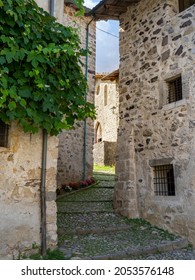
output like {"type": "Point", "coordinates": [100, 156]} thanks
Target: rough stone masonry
{"type": "Point", "coordinates": [157, 45]}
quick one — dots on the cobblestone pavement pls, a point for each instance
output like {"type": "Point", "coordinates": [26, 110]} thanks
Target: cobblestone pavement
{"type": "Point", "coordinates": [88, 228]}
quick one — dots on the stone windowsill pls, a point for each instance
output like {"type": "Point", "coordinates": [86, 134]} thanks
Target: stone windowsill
{"type": "Point", "coordinates": [165, 199]}
{"type": "Point", "coordinates": [174, 105]}
{"type": "Point", "coordinates": [4, 150]}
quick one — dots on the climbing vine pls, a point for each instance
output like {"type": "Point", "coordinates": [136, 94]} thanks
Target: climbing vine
{"type": "Point", "coordinates": [41, 80]}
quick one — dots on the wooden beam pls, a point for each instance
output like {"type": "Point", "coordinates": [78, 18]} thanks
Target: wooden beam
{"type": "Point", "coordinates": [106, 16]}
{"type": "Point", "coordinates": [131, 1]}
{"type": "Point", "coordinates": [114, 8]}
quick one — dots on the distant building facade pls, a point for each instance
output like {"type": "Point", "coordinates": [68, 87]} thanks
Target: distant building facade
{"type": "Point", "coordinates": [107, 121]}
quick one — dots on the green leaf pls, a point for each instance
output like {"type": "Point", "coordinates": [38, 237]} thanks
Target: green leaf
{"type": "Point", "coordinates": [24, 91]}
{"type": "Point", "coordinates": [2, 60]}
{"type": "Point", "coordinates": [41, 79]}
{"type": "Point", "coordinates": [12, 105]}
{"type": "Point", "coordinates": [23, 103]}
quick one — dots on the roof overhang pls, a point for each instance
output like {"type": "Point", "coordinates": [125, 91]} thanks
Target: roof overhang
{"type": "Point", "coordinates": [111, 9]}
{"type": "Point", "coordinates": [108, 76]}
{"type": "Point", "coordinates": [111, 76]}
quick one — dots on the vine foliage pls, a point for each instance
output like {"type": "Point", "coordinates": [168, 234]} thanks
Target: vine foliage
{"type": "Point", "coordinates": [42, 85]}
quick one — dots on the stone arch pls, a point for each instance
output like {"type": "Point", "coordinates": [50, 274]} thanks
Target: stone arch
{"type": "Point", "coordinates": [98, 132]}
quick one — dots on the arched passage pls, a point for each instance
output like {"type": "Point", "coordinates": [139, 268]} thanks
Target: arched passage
{"type": "Point", "coordinates": [98, 133]}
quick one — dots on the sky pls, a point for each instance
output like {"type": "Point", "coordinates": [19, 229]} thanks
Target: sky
{"type": "Point", "coordinates": [107, 46]}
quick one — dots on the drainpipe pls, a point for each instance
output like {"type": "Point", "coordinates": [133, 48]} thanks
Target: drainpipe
{"type": "Point", "coordinates": [43, 176]}
{"type": "Point", "coordinates": [51, 7]}
{"type": "Point", "coordinates": [85, 121]}
{"type": "Point", "coordinates": [43, 193]}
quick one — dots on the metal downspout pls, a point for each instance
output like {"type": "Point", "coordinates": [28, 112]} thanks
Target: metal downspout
{"type": "Point", "coordinates": [51, 7]}
{"type": "Point", "coordinates": [85, 121]}
{"type": "Point", "coordinates": [43, 176]}
{"type": "Point", "coordinates": [43, 193]}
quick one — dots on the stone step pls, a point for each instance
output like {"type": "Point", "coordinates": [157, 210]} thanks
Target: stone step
{"type": "Point", "coordinates": [94, 230]}
{"type": "Point", "coordinates": [84, 206]}
{"type": "Point", "coordinates": [92, 194]}
{"type": "Point", "coordinates": [104, 177]}
{"type": "Point", "coordinates": [118, 244]}
{"type": "Point", "coordinates": [89, 221]}
{"type": "Point", "coordinates": [104, 184]}
{"type": "Point", "coordinates": [134, 253]}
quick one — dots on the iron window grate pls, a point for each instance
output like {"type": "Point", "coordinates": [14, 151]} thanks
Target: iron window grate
{"type": "Point", "coordinates": [164, 183]}
{"type": "Point", "coordinates": [175, 90]}
{"type": "Point", "coordinates": [3, 134]}
{"type": "Point", "coordinates": [184, 4]}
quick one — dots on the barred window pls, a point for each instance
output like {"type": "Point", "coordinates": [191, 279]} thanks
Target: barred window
{"type": "Point", "coordinates": [3, 134]}
{"type": "Point", "coordinates": [164, 183]}
{"type": "Point", "coordinates": [184, 4]}
{"type": "Point", "coordinates": [175, 90]}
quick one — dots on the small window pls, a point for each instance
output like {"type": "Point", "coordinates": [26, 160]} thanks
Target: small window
{"type": "Point", "coordinates": [175, 90]}
{"type": "Point", "coordinates": [3, 134]}
{"type": "Point", "coordinates": [105, 95]}
{"type": "Point", "coordinates": [98, 133]}
{"type": "Point", "coordinates": [98, 90]}
{"type": "Point", "coordinates": [184, 4]}
{"type": "Point", "coordinates": [164, 183]}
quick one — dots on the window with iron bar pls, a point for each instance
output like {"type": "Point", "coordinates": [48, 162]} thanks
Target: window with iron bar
{"type": "Point", "coordinates": [3, 134]}
{"type": "Point", "coordinates": [184, 4]}
{"type": "Point", "coordinates": [175, 90]}
{"type": "Point", "coordinates": [164, 183]}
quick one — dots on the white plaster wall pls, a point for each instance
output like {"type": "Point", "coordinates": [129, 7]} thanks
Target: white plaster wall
{"type": "Point", "coordinates": [20, 173]}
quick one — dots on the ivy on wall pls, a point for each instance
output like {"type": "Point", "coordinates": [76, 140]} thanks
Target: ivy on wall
{"type": "Point", "coordinates": [41, 80]}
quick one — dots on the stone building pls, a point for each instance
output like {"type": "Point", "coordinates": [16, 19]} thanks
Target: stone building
{"type": "Point", "coordinates": [21, 164]}
{"type": "Point", "coordinates": [75, 160]}
{"type": "Point", "coordinates": [20, 180]}
{"type": "Point", "coordinates": [155, 165]}
{"type": "Point", "coordinates": [106, 123]}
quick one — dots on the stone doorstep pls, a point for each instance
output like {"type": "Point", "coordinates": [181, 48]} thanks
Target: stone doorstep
{"type": "Point", "coordinates": [94, 230]}
{"type": "Point", "coordinates": [147, 250]}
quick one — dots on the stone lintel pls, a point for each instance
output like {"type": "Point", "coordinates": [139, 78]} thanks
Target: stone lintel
{"type": "Point", "coordinates": [162, 161]}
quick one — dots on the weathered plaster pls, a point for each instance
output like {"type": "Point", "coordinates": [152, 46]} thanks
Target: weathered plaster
{"type": "Point", "coordinates": [20, 173]}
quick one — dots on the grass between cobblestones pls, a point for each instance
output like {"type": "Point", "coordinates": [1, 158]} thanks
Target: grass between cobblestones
{"type": "Point", "coordinates": [108, 169]}
{"type": "Point", "coordinates": [89, 228]}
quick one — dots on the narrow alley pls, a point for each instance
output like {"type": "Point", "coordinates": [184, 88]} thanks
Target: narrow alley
{"type": "Point", "coordinates": [88, 228]}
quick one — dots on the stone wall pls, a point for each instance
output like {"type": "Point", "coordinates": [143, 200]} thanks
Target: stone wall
{"type": "Point", "coordinates": [20, 173]}
{"type": "Point", "coordinates": [107, 118]}
{"type": "Point", "coordinates": [104, 153]}
{"type": "Point", "coordinates": [157, 43]}
{"type": "Point", "coordinates": [71, 143]}
{"type": "Point", "coordinates": [98, 153]}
